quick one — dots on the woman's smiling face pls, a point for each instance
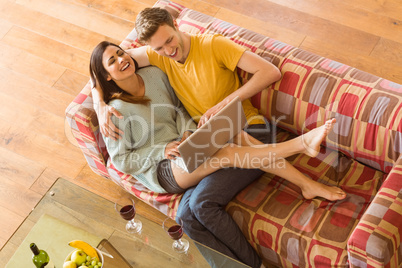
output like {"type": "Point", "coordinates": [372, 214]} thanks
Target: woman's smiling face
{"type": "Point", "coordinates": [117, 63]}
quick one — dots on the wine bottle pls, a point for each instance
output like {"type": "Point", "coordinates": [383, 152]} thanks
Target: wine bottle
{"type": "Point", "coordinates": [40, 257]}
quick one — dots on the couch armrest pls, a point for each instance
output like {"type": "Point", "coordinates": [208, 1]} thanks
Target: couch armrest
{"type": "Point", "coordinates": [376, 240]}
{"type": "Point", "coordinates": [83, 122]}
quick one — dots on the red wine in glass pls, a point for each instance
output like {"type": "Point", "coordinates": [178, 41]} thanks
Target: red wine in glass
{"type": "Point", "coordinates": [126, 208]}
{"type": "Point", "coordinates": [127, 212]}
{"type": "Point", "coordinates": [175, 232]}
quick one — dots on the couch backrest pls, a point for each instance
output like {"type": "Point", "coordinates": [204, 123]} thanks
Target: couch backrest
{"type": "Point", "coordinates": [312, 89]}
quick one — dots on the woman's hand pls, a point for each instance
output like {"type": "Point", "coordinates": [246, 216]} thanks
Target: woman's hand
{"type": "Point", "coordinates": [171, 151]}
{"type": "Point", "coordinates": [107, 128]}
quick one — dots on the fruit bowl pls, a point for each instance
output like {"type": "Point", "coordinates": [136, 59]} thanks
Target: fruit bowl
{"type": "Point", "coordinates": [101, 259]}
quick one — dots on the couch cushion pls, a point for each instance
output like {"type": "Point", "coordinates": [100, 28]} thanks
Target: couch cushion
{"type": "Point", "coordinates": [367, 108]}
{"type": "Point", "coordinates": [289, 230]}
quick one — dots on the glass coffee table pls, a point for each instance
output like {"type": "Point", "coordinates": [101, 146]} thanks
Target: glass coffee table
{"type": "Point", "coordinates": [71, 212]}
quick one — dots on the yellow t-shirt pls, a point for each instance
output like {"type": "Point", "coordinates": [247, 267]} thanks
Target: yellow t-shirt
{"type": "Point", "coordinates": [208, 75]}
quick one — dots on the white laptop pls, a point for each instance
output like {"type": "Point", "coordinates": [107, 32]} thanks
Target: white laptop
{"type": "Point", "coordinates": [214, 134]}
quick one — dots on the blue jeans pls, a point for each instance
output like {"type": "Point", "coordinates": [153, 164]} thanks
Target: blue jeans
{"type": "Point", "coordinates": [202, 208]}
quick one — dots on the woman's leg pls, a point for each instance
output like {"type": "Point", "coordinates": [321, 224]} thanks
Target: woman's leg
{"type": "Point", "coordinates": [269, 158]}
{"type": "Point", "coordinates": [284, 169]}
{"type": "Point", "coordinates": [274, 162]}
{"type": "Point", "coordinates": [310, 188]}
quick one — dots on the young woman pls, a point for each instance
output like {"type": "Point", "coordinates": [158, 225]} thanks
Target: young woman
{"type": "Point", "coordinates": [155, 123]}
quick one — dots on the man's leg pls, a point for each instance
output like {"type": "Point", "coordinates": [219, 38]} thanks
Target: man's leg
{"type": "Point", "coordinates": [197, 231]}
{"type": "Point", "coordinates": [203, 209]}
{"type": "Point", "coordinates": [208, 201]}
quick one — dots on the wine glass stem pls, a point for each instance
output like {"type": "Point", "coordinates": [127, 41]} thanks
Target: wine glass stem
{"type": "Point", "coordinates": [180, 243]}
{"type": "Point", "coordinates": [133, 223]}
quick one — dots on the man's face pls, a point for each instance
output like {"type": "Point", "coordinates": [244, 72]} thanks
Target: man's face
{"type": "Point", "coordinates": [168, 42]}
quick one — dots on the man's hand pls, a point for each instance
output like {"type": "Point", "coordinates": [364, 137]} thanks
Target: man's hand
{"type": "Point", "coordinates": [212, 111]}
{"type": "Point", "coordinates": [171, 151]}
{"type": "Point", "coordinates": [104, 113]}
{"type": "Point", "coordinates": [107, 128]}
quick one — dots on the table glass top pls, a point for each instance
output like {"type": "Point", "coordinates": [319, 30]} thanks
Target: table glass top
{"type": "Point", "coordinates": [84, 211]}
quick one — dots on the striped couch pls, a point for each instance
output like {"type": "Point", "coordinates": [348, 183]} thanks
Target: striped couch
{"type": "Point", "coordinates": [362, 156]}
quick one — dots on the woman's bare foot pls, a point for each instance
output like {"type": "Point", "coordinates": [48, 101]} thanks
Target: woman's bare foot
{"type": "Point", "coordinates": [314, 189]}
{"type": "Point", "coordinates": [312, 140]}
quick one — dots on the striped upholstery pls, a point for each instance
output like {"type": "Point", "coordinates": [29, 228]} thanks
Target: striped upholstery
{"type": "Point", "coordinates": [362, 156]}
{"type": "Point", "coordinates": [375, 242]}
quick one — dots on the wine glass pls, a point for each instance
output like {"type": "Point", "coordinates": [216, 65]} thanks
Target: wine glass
{"type": "Point", "coordinates": [125, 206]}
{"type": "Point", "coordinates": [175, 231]}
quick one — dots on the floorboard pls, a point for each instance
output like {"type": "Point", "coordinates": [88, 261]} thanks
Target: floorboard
{"type": "Point", "coordinates": [44, 52]}
{"type": "Point", "coordinates": [60, 55]}
{"type": "Point", "coordinates": [71, 82]}
{"type": "Point", "coordinates": [84, 16]}
{"type": "Point", "coordinates": [19, 169]}
{"type": "Point", "coordinates": [343, 13]}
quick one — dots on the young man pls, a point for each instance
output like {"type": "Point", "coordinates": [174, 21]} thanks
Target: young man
{"type": "Point", "coordinates": [202, 71]}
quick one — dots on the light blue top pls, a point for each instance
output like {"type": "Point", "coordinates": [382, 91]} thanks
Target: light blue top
{"type": "Point", "coordinates": [148, 128]}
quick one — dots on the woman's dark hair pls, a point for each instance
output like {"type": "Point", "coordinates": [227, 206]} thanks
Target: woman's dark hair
{"type": "Point", "coordinates": [99, 74]}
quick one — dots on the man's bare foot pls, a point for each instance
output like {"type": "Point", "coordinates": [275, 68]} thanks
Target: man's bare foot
{"type": "Point", "coordinates": [312, 140]}
{"type": "Point", "coordinates": [316, 189]}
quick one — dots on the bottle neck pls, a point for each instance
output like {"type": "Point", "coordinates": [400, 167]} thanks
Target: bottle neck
{"type": "Point", "coordinates": [34, 248]}
{"type": "Point", "coordinates": [40, 257]}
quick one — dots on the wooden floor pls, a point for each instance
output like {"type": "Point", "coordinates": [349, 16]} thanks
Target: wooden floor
{"type": "Point", "coordinates": [45, 47]}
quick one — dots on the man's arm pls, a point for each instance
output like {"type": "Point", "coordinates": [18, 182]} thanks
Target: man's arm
{"type": "Point", "coordinates": [140, 55]}
{"type": "Point", "coordinates": [264, 74]}
{"type": "Point", "coordinates": [104, 111]}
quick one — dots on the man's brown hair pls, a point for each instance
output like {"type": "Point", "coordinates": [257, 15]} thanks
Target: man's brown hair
{"type": "Point", "coordinates": [149, 20]}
